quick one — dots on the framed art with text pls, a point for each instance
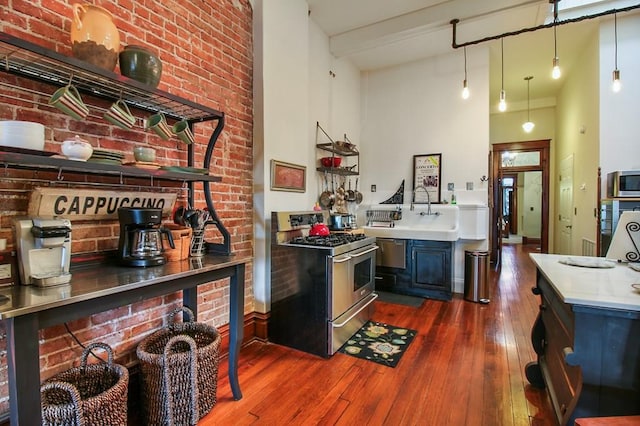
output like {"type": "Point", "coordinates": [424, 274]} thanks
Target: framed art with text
{"type": "Point", "coordinates": [426, 175]}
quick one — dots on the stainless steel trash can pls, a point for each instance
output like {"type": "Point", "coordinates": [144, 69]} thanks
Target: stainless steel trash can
{"type": "Point", "coordinates": [476, 276]}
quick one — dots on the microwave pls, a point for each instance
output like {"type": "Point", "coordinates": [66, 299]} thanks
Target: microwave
{"type": "Point", "coordinates": [623, 184]}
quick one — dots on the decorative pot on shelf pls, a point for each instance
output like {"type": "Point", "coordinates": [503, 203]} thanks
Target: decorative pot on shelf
{"type": "Point", "coordinates": [141, 64]}
{"type": "Point", "coordinates": [94, 36]}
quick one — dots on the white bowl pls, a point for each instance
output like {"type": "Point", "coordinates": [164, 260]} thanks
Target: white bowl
{"type": "Point", "coordinates": [77, 149]}
{"type": "Point", "coordinates": [22, 134]}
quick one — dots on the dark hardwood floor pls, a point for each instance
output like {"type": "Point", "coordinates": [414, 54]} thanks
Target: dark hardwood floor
{"type": "Point", "coordinates": [465, 367]}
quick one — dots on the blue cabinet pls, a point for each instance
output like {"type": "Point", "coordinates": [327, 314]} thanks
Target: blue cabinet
{"type": "Point", "coordinates": [428, 272]}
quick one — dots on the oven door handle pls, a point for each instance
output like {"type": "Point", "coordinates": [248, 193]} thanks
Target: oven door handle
{"type": "Point", "coordinates": [374, 248]}
{"type": "Point", "coordinates": [342, 259]}
{"type": "Point", "coordinates": [373, 296]}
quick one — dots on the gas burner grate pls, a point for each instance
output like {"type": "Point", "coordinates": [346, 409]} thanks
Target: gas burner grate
{"type": "Point", "coordinates": [332, 240]}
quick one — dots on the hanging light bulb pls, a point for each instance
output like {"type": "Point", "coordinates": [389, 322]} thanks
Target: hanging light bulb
{"type": "Point", "coordinates": [555, 72]}
{"type": "Point", "coordinates": [528, 125]}
{"type": "Point", "coordinates": [465, 88]}
{"type": "Point", "coordinates": [616, 86]}
{"type": "Point", "coordinates": [502, 105]}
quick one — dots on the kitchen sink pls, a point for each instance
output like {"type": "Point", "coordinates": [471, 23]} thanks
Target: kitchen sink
{"type": "Point", "coordinates": [441, 225]}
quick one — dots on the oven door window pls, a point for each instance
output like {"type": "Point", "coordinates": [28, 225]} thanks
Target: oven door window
{"type": "Point", "coordinates": [362, 272]}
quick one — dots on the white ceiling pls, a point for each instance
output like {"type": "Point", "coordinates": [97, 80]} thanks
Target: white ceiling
{"type": "Point", "coordinates": [375, 34]}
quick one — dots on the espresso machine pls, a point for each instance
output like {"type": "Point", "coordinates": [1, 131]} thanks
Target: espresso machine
{"type": "Point", "coordinates": [44, 251]}
{"type": "Point", "coordinates": [141, 233]}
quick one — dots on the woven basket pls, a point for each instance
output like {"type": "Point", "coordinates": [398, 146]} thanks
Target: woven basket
{"type": "Point", "coordinates": [179, 367]}
{"type": "Point", "coordinates": [94, 394]}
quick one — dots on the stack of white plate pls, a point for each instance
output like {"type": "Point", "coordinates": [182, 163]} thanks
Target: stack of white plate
{"type": "Point", "coordinates": [106, 157]}
{"type": "Point", "coordinates": [22, 134]}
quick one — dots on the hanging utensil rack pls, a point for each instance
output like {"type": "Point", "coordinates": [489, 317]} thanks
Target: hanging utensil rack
{"type": "Point", "coordinates": [28, 60]}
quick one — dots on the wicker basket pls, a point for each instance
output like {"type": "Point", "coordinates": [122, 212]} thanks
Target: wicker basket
{"type": "Point", "coordinates": [94, 394]}
{"type": "Point", "coordinates": [179, 367]}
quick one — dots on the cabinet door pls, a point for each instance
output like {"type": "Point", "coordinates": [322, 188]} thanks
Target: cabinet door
{"type": "Point", "coordinates": [566, 380]}
{"type": "Point", "coordinates": [431, 268]}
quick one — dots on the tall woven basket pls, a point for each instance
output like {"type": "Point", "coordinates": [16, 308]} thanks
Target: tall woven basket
{"type": "Point", "coordinates": [94, 394]}
{"type": "Point", "coordinates": [179, 367]}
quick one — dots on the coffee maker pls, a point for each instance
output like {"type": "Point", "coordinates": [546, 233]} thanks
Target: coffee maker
{"type": "Point", "coordinates": [140, 241]}
{"type": "Point", "coordinates": [44, 251]}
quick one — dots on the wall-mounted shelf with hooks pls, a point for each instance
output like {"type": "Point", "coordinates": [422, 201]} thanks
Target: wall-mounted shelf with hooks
{"type": "Point", "coordinates": [340, 149]}
{"type": "Point", "coordinates": [25, 59]}
{"type": "Point", "coordinates": [35, 62]}
{"type": "Point", "coordinates": [36, 162]}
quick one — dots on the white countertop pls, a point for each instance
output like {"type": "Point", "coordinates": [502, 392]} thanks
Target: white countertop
{"type": "Point", "coordinates": [597, 287]}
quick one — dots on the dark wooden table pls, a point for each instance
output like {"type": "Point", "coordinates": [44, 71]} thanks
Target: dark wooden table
{"type": "Point", "coordinates": [97, 289]}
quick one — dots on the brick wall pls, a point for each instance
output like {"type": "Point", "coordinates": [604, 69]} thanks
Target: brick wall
{"type": "Point", "coordinates": [206, 51]}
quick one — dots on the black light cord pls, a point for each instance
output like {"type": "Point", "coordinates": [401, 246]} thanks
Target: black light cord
{"type": "Point", "coordinates": [454, 23]}
{"type": "Point", "coordinates": [502, 60]}
{"type": "Point", "coordinates": [80, 343]}
{"type": "Point", "coordinates": [615, 32]}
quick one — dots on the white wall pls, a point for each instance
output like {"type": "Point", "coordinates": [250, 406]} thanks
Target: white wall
{"type": "Point", "coordinates": [417, 109]}
{"type": "Point", "coordinates": [292, 91]}
{"type": "Point", "coordinates": [281, 111]}
{"type": "Point", "coordinates": [619, 142]}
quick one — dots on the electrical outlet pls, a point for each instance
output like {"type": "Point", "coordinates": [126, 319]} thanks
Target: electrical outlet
{"type": "Point", "coordinates": [469, 186]}
{"type": "Point", "coordinates": [373, 188]}
{"type": "Point", "coordinates": [450, 186]}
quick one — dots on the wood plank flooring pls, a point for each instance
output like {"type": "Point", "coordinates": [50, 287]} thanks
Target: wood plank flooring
{"type": "Point", "coordinates": [465, 367]}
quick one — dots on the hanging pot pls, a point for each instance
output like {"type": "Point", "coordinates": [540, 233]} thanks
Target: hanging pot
{"type": "Point", "coordinates": [351, 195]}
{"type": "Point", "coordinates": [358, 194]}
{"type": "Point", "coordinates": [327, 197]}
{"type": "Point", "coordinates": [319, 230]}
{"type": "Point", "coordinates": [94, 36]}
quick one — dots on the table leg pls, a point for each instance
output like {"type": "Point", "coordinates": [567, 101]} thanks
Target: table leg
{"type": "Point", "coordinates": [236, 326]}
{"type": "Point", "coordinates": [23, 361]}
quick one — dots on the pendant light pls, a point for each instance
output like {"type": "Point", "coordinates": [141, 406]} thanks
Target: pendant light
{"type": "Point", "coordinates": [616, 86]}
{"type": "Point", "coordinates": [528, 125]}
{"type": "Point", "coordinates": [502, 105]}
{"type": "Point", "coordinates": [465, 88]}
{"type": "Point", "coordinates": [555, 72]}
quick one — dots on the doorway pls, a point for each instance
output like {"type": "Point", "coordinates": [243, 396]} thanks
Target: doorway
{"type": "Point", "coordinates": [509, 160]}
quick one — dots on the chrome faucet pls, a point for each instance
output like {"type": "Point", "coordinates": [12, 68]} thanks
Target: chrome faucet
{"type": "Point", "coordinates": [428, 213]}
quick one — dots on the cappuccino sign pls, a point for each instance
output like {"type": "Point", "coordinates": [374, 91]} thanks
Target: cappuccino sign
{"type": "Point", "coordinates": [84, 204]}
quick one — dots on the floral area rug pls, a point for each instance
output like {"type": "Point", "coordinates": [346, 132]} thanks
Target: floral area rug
{"type": "Point", "coordinates": [379, 342]}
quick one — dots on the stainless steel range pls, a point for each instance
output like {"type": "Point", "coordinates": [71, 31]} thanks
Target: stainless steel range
{"type": "Point", "coordinates": [322, 288]}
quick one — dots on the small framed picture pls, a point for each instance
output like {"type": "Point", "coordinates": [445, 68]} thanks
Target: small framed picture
{"type": "Point", "coordinates": [288, 177]}
{"type": "Point", "coordinates": [426, 174]}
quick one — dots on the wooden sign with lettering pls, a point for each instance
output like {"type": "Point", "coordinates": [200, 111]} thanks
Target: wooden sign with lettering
{"type": "Point", "coordinates": [87, 204]}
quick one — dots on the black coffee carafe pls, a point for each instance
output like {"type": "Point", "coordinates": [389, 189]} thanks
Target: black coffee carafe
{"type": "Point", "coordinates": [140, 241]}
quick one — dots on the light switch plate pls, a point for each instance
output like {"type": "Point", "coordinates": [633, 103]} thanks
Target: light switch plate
{"type": "Point", "coordinates": [450, 186]}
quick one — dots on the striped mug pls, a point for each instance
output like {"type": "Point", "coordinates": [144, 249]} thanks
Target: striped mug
{"type": "Point", "coordinates": [158, 123]}
{"type": "Point", "coordinates": [67, 99]}
{"type": "Point", "coordinates": [120, 115]}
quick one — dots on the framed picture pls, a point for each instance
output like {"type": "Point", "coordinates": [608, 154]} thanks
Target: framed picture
{"type": "Point", "coordinates": [426, 174]}
{"type": "Point", "coordinates": [288, 177]}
